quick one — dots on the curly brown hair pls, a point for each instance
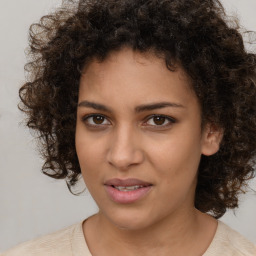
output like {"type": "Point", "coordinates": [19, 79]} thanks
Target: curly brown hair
{"type": "Point", "coordinates": [194, 33]}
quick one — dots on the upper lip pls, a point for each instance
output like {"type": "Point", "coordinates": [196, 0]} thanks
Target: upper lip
{"type": "Point", "coordinates": [126, 182]}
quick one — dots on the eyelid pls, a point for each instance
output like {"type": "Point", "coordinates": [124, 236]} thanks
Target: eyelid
{"type": "Point", "coordinates": [86, 117]}
{"type": "Point", "coordinates": [169, 118]}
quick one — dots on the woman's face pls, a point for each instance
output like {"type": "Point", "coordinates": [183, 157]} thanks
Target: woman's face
{"type": "Point", "coordinates": [138, 139]}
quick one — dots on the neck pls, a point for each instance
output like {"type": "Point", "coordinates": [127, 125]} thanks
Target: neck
{"type": "Point", "coordinates": [179, 234]}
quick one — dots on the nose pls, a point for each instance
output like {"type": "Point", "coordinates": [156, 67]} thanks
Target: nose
{"type": "Point", "coordinates": [125, 149]}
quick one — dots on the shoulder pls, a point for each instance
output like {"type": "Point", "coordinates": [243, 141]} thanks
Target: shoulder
{"type": "Point", "coordinates": [58, 243]}
{"type": "Point", "coordinates": [229, 242]}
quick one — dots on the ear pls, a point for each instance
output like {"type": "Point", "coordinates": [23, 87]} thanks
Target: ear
{"type": "Point", "coordinates": [211, 139]}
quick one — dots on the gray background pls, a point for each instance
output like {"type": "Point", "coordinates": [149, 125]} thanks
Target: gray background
{"type": "Point", "coordinates": [32, 204]}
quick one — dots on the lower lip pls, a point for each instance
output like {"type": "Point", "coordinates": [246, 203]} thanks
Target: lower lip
{"type": "Point", "coordinates": [126, 197]}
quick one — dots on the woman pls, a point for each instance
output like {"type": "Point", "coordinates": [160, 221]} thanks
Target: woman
{"type": "Point", "coordinates": [153, 103]}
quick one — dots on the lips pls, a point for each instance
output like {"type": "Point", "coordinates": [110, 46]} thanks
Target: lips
{"type": "Point", "coordinates": [127, 191]}
{"type": "Point", "coordinates": [127, 188]}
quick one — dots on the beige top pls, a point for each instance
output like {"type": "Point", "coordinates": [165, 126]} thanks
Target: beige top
{"type": "Point", "coordinates": [71, 242]}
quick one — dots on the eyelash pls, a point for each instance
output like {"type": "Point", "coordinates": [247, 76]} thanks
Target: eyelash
{"type": "Point", "coordinates": [169, 119]}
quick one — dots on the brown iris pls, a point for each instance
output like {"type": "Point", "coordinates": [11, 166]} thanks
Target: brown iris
{"type": "Point", "coordinates": [98, 119]}
{"type": "Point", "coordinates": [159, 120]}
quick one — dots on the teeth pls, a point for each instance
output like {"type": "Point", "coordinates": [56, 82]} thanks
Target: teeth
{"type": "Point", "coordinates": [129, 188]}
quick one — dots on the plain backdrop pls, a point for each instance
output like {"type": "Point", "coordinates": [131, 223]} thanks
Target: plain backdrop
{"type": "Point", "coordinates": [32, 204]}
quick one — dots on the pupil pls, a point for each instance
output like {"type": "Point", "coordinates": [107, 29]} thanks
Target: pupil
{"type": "Point", "coordinates": [98, 119]}
{"type": "Point", "coordinates": [159, 120]}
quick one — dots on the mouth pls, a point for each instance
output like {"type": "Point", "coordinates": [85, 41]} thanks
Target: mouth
{"type": "Point", "coordinates": [127, 183]}
{"type": "Point", "coordinates": [127, 191]}
{"type": "Point", "coordinates": [128, 188]}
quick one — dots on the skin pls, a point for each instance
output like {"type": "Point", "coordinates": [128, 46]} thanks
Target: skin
{"type": "Point", "coordinates": [125, 143]}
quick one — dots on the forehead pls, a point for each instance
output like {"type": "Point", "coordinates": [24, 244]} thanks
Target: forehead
{"type": "Point", "coordinates": [133, 77]}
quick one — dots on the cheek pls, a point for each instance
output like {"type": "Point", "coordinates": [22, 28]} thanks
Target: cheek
{"type": "Point", "coordinates": [89, 161]}
{"type": "Point", "coordinates": [88, 149]}
{"type": "Point", "coordinates": [176, 166]}
{"type": "Point", "coordinates": [177, 157]}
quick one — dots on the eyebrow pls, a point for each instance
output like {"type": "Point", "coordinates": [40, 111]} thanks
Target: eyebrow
{"type": "Point", "coordinates": [138, 109]}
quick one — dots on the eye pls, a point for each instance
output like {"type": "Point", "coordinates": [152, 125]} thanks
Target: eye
{"type": "Point", "coordinates": [160, 121]}
{"type": "Point", "coordinates": [95, 120]}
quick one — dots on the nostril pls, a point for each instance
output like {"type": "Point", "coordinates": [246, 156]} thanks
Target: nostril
{"type": "Point", "coordinates": [123, 160]}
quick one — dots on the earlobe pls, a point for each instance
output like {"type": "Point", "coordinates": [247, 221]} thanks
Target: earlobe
{"type": "Point", "coordinates": [211, 139]}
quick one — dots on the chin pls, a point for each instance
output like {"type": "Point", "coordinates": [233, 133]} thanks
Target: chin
{"type": "Point", "coordinates": [130, 220]}
{"type": "Point", "coordinates": [130, 225]}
